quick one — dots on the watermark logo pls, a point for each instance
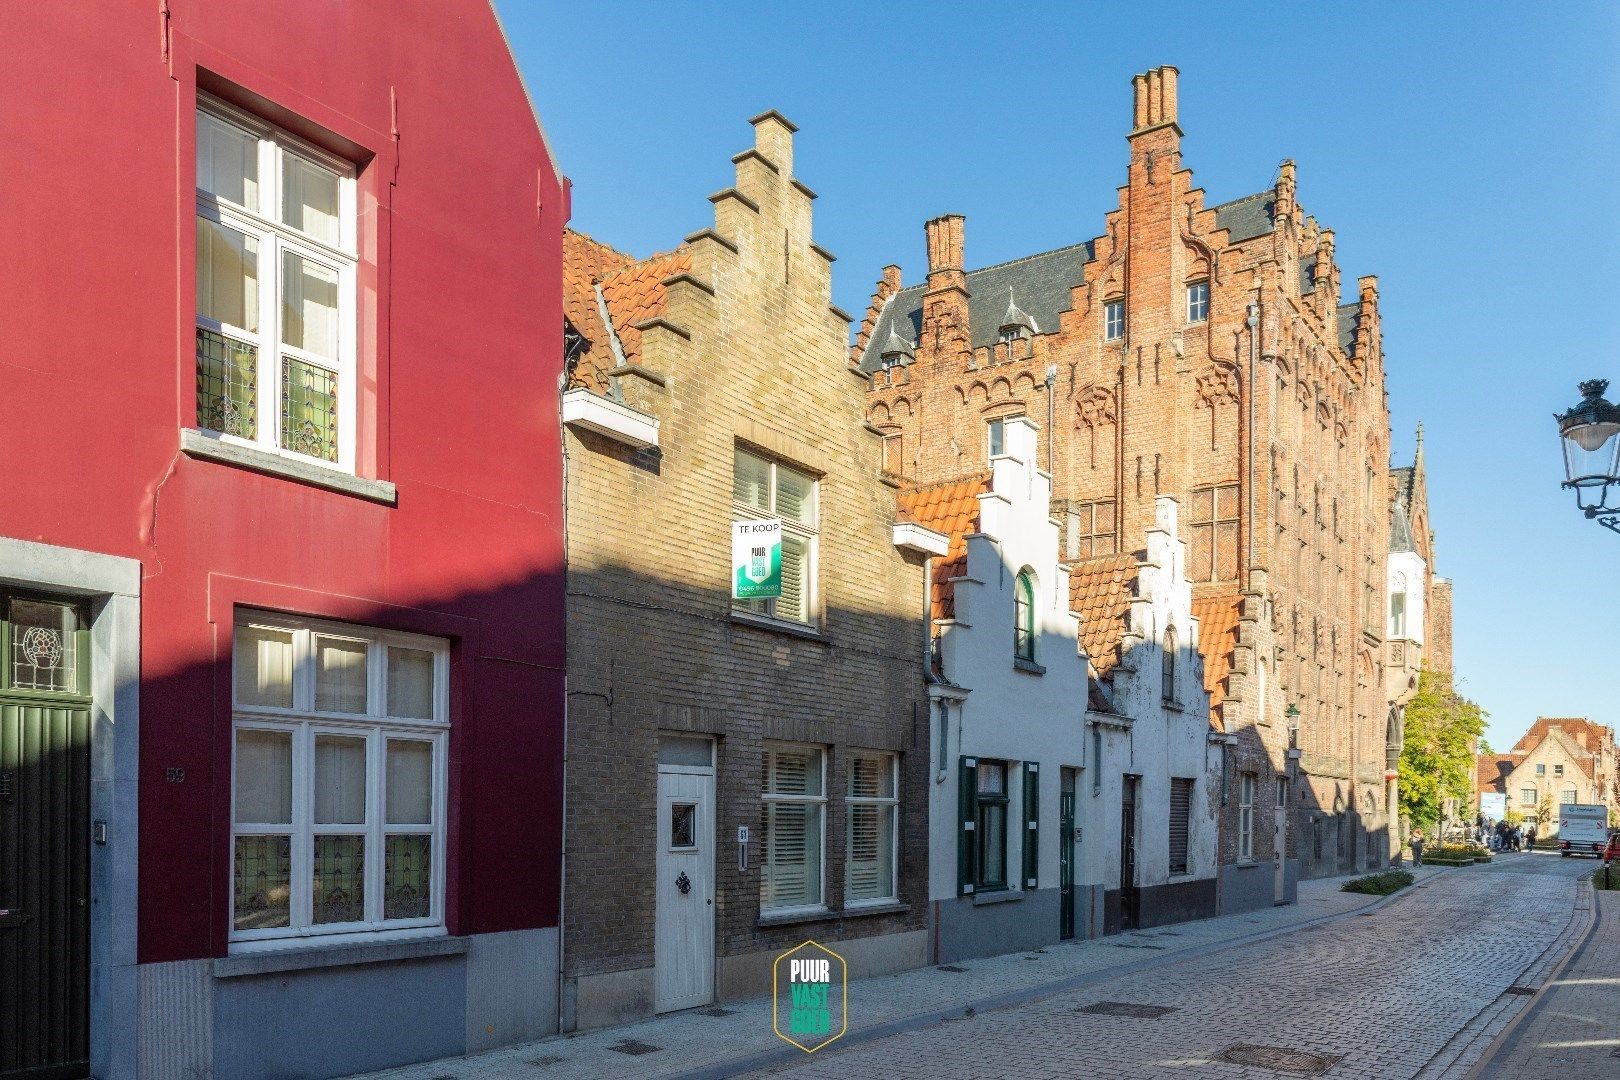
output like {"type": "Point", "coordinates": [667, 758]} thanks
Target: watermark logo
{"type": "Point", "coordinates": [810, 996]}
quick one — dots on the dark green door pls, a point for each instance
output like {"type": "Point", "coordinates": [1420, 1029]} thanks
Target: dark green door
{"type": "Point", "coordinates": [1066, 857]}
{"type": "Point", "coordinates": [44, 840]}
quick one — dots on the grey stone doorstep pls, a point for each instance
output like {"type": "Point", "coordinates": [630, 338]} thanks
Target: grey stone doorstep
{"type": "Point", "coordinates": [589, 1053]}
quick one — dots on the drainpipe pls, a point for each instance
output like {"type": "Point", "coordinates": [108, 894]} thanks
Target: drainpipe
{"type": "Point", "coordinates": [1254, 363]}
{"type": "Point", "coordinates": [1051, 415]}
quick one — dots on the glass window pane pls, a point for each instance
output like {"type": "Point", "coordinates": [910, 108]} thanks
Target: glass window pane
{"type": "Point", "coordinates": [869, 872]}
{"type": "Point", "coordinates": [340, 675]}
{"type": "Point", "coordinates": [264, 664]}
{"type": "Point", "coordinates": [794, 602]}
{"type": "Point", "coordinates": [751, 481]}
{"type": "Point", "coordinates": [309, 198]}
{"type": "Point", "coordinates": [871, 776]}
{"type": "Point", "coordinates": [685, 750]}
{"type": "Point", "coordinates": [793, 771]}
{"type": "Point", "coordinates": [791, 876]}
{"type": "Point", "coordinates": [992, 829]}
{"type": "Point", "coordinates": [227, 385]}
{"type": "Point", "coordinates": [795, 496]}
{"type": "Point", "coordinates": [309, 305]}
{"type": "Point", "coordinates": [339, 879]}
{"type": "Point", "coordinates": [410, 782]}
{"type": "Point", "coordinates": [227, 161]}
{"type": "Point", "coordinates": [992, 778]}
{"type": "Point", "coordinates": [340, 780]}
{"type": "Point", "coordinates": [410, 683]}
{"type": "Point", "coordinates": [309, 404]}
{"type": "Point", "coordinates": [44, 646]}
{"type": "Point", "coordinates": [263, 777]}
{"type": "Point", "coordinates": [683, 825]}
{"type": "Point", "coordinates": [408, 877]}
{"type": "Point", "coordinates": [261, 881]}
{"type": "Point", "coordinates": [227, 275]}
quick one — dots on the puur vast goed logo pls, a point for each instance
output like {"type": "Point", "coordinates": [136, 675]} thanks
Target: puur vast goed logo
{"type": "Point", "coordinates": [810, 996]}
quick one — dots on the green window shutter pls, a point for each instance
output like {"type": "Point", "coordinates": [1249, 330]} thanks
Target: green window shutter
{"type": "Point", "coordinates": [967, 809]}
{"type": "Point", "coordinates": [1032, 831]}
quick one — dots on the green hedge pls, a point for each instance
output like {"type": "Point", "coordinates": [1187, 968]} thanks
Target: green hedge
{"type": "Point", "coordinates": [1379, 884]}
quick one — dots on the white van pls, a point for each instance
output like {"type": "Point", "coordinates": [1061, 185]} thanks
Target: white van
{"type": "Point", "coordinates": [1583, 829]}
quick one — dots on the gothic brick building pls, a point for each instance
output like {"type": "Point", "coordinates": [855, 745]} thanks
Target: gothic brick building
{"type": "Point", "coordinates": [1199, 351]}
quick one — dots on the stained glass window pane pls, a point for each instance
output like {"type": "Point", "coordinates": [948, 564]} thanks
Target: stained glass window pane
{"type": "Point", "coordinates": [227, 161]}
{"type": "Point", "coordinates": [340, 780]}
{"type": "Point", "coordinates": [339, 879]}
{"type": "Point", "coordinates": [410, 782]}
{"type": "Point", "coordinates": [44, 649]}
{"type": "Point", "coordinates": [264, 663]}
{"type": "Point", "coordinates": [683, 825]}
{"type": "Point", "coordinates": [262, 881]}
{"type": "Point", "coordinates": [263, 777]}
{"type": "Point", "coordinates": [408, 877]}
{"type": "Point", "coordinates": [340, 675]}
{"type": "Point", "coordinates": [410, 683]}
{"type": "Point", "coordinates": [309, 198]}
{"type": "Point", "coordinates": [227, 275]}
{"type": "Point", "coordinates": [309, 404]}
{"type": "Point", "coordinates": [309, 305]}
{"type": "Point", "coordinates": [227, 385]}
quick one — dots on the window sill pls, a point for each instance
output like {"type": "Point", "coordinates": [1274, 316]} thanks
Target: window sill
{"type": "Point", "coordinates": [312, 957]}
{"type": "Point", "coordinates": [1029, 667]}
{"type": "Point", "coordinates": [997, 896]}
{"type": "Point", "coordinates": [1246, 864]}
{"type": "Point", "coordinates": [875, 907]}
{"type": "Point", "coordinates": [199, 445]}
{"type": "Point", "coordinates": [795, 915]}
{"type": "Point", "coordinates": [1171, 706]}
{"type": "Point", "coordinates": [779, 626]}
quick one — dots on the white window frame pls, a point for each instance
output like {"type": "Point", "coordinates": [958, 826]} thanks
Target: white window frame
{"type": "Point", "coordinates": [995, 432]}
{"type": "Point", "coordinates": [1246, 786]}
{"type": "Point", "coordinates": [303, 722]}
{"type": "Point", "coordinates": [893, 803]}
{"type": "Point", "coordinates": [1529, 796]}
{"type": "Point", "coordinates": [1198, 302]}
{"type": "Point", "coordinates": [274, 240]}
{"type": "Point", "coordinates": [767, 797]}
{"type": "Point", "coordinates": [809, 533]}
{"type": "Point", "coordinates": [1114, 319]}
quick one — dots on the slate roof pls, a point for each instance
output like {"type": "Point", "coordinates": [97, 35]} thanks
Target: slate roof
{"type": "Point", "coordinates": [634, 291]}
{"type": "Point", "coordinates": [951, 508]}
{"type": "Point", "coordinates": [1247, 218]}
{"type": "Point", "coordinates": [1348, 313]}
{"type": "Point", "coordinates": [1217, 640]}
{"type": "Point", "coordinates": [1400, 529]}
{"type": "Point", "coordinates": [1100, 592]}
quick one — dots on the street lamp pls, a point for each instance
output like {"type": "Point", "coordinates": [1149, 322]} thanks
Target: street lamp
{"type": "Point", "coordinates": [1590, 433]}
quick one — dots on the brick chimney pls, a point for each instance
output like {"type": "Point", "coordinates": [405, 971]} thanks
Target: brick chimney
{"type": "Point", "coordinates": [1286, 193]}
{"type": "Point", "coordinates": [945, 333]}
{"type": "Point", "coordinates": [1155, 99]}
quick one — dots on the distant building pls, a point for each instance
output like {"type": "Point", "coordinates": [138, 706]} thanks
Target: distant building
{"type": "Point", "coordinates": [1559, 760]}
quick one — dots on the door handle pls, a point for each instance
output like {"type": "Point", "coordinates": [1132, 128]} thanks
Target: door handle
{"type": "Point", "coordinates": [14, 917]}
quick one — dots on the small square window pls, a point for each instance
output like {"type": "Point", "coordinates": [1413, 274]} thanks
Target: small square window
{"type": "Point", "coordinates": [683, 826]}
{"type": "Point", "coordinates": [1113, 320]}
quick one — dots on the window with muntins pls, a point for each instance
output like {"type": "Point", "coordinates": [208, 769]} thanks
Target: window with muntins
{"type": "Point", "coordinates": [1541, 769]}
{"type": "Point", "coordinates": [1167, 665]}
{"type": "Point", "coordinates": [1567, 796]}
{"type": "Point", "coordinates": [1091, 529]}
{"type": "Point", "coordinates": [1212, 524]}
{"type": "Point", "coordinates": [1558, 770]}
{"type": "Point", "coordinates": [1527, 795]}
{"type": "Point", "coordinates": [1024, 617]}
{"type": "Point", "coordinates": [990, 826]}
{"type": "Point", "coordinates": [872, 810]}
{"type": "Point", "coordinates": [1198, 302]}
{"type": "Point", "coordinates": [1113, 320]}
{"type": "Point", "coordinates": [1246, 816]}
{"type": "Point", "coordinates": [276, 310]}
{"type": "Point", "coordinates": [762, 487]}
{"type": "Point", "coordinates": [794, 822]}
{"type": "Point", "coordinates": [339, 780]}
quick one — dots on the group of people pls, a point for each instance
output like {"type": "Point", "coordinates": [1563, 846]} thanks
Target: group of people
{"type": "Point", "coordinates": [1504, 837]}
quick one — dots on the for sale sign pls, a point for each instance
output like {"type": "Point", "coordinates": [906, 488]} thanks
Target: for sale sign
{"type": "Point", "coordinates": [756, 559]}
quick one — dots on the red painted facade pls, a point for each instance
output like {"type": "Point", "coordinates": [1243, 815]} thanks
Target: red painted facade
{"type": "Point", "coordinates": [460, 215]}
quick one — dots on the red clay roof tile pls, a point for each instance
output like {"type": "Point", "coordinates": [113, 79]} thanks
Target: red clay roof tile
{"type": "Point", "coordinates": [951, 508]}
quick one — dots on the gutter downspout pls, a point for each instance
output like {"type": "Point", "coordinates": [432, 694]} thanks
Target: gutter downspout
{"type": "Point", "coordinates": [562, 880]}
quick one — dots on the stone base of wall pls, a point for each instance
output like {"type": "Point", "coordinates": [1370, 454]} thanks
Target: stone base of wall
{"type": "Point", "coordinates": [607, 999]}
{"type": "Point", "coordinates": [749, 974]}
{"type": "Point", "coordinates": [1178, 901]}
{"type": "Point", "coordinates": [1247, 886]}
{"type": "Point", "coordinates": [968, 927]}
{"type": "Point", "coordinates": [253, 1016]}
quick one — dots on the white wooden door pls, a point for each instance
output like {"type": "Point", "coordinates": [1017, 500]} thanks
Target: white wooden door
{"type": "Point", "coordinates": [1279, 841]}
{"type": "Point", "coordinates": [684, 946]}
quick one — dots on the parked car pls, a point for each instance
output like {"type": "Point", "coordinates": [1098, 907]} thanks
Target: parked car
{"type": "Point", "coordinates": [1612, 852]}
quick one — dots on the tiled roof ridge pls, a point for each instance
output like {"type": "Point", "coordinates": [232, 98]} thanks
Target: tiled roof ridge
{"type": "Point", "coordinates": [604, 245]}
{"type": "Point", "coordinates": [642, 264]}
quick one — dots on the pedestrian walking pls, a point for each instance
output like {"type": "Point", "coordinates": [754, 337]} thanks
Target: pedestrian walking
{"type": "Point", "coordinates": [1531, 835]}
{"type": "Point", "coordinates": [1417, 847]}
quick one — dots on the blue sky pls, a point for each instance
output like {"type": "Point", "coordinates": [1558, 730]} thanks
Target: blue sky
{"type": "Point", "coordinates": [1466, 157]}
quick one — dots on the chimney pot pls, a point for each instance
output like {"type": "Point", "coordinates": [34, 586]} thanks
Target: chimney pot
{"type": "Point", "coordinates": [1155, 94]}
{"type": "Point", "coordinates": [945, 243]}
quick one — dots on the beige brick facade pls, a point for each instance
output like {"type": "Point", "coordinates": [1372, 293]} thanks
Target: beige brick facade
{"type": "Point", "coordinates": [1272, 430]}
{"type": "Point", "coordinates": [731, 341]}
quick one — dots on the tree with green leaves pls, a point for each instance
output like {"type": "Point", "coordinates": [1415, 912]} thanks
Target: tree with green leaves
{"type": "Point", "coordinates": [1544, 811]}
{"type": "Point", "coordinates": [1442, 728]}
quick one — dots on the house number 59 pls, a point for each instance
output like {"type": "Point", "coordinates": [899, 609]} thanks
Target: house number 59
{"type": "Point", "coordinates": [175, 776]}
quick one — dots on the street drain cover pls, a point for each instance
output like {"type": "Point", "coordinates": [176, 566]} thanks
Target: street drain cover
{"type": "Point", "coordinates": [1521, 991]}
{"type": "Point", "coordinates": [951, 968]}
{"type": "Point", "coordinates": [1280, 1059]}
{"type": "Point", "coordinates": [635, 1047]}
{"type": "Point", "coordinates": [1126, 1008]}
{"type": "Point", "coordinates": [717, 1011]}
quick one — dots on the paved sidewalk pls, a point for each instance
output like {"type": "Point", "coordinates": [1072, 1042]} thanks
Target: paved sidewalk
{"type": "Point", "coordinates": [1573, 1028]}
{"type": "Point", "coordinates": [737, 1036]}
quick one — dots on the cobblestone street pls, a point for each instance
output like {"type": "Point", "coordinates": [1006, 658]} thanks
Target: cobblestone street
{"type": "Point", "coordinates": [1417, 985]}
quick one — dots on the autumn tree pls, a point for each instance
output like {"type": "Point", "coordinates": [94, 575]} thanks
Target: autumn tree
{"type": "Point", "coordinates": [1441, 731]}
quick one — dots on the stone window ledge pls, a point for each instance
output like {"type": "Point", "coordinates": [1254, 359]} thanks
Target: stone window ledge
{"type": "Point", "coordinates": [1029, 667]}
{"type": "Point", "coordinates": [312, 957]}
{"type": "Point", "coordinates": [199, 445]}
{"type": "Point", "coordinates": [789, 918]}
{"type": "Point", "coordinates": [826, 914]}
{"type": "Point", "coordinates": [778, 626]}
{"type": "Point", "coordinates": [999, 896]}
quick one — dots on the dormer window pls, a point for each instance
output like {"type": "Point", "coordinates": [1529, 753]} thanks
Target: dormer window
{"type": "Point", "coordinates": [1014, 333]}
{"type": "Point", "coordinates": [1114, 320]}
{"type": "Point", "coordinates": [891, 360]}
